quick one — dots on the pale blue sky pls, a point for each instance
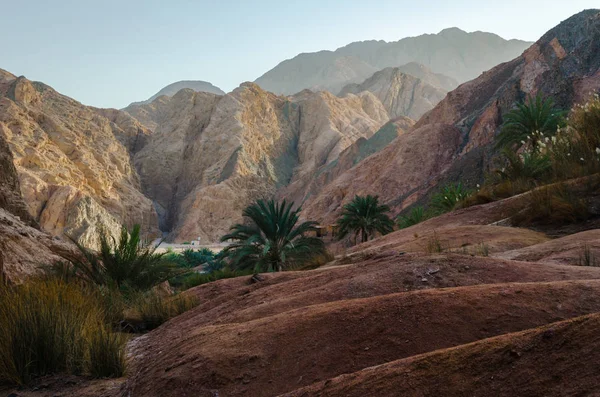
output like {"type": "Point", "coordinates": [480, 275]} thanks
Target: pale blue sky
{"type": "Point", "coordinates": [109, 53]}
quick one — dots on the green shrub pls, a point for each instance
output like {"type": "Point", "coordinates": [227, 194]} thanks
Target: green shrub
{"type": "Point", "coordinates": [415, 216]}
{"type": "Point", "coordinates": [196, 279]}
{"type": "Point", "coordinates": [48, 326]}
{"type": "Point", "coordinates": [449, 198]}
{"type": "Point", "coordinates": [154, 309]}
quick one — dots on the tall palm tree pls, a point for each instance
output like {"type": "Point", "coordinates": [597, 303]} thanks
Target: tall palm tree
{"type": "Point", "coordinates": [364, 216]}
{"type": "Point", "coordinates": [271, 241]}
{"type": "Point", "coordinates": [531, 121]}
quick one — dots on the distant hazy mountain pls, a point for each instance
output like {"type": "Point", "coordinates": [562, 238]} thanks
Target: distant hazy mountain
{"type": "Point", "coordinates": [172, 89]}
{"type": "Point", "coordinates": [452, 52]}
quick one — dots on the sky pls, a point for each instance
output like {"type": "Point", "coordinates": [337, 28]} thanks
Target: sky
{"type": "Point", "coordinates": [108, 53]}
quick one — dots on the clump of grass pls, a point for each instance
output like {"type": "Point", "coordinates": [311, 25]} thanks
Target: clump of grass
{"type": "Point", "coordinates": [587, 257]}
{"type": "Point", "coordinates": [414, 217]}
{"type": "Point", "coordinates": [482, 249]}
{"type": "Point", "coordinates": [155, 310]}
{"type": "Point", "coordinates": [107, 353]}
{"type": "Point", "coordinates": [434, 245]}
{"type": "Point", "coordinates": [552, 205]}
{"type": "Point", "coordinates": [49, 326]}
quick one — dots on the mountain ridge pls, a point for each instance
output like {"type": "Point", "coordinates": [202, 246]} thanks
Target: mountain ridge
{"type": "Point", "coordinates": [303, 71]}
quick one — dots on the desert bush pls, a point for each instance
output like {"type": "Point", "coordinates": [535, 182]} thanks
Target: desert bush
{"type": "Point", "coordinates": [448, 198]}
{"type": "Point", "coordinates": [127, 263]}
{"type": "Point", "coordinates": [528, 166]}
{"type": "Point", "coordinates": [551, 205]}
{"type": "Point", "coordinates": [364, 216]}
{"type": "Point", "coordinates": [190, 258]}
{"type": "Point", "coordinates": [434, 244]}
{"type": "Point", "coordinates": [414, 217]}
{"type": "Point", "coordinates": [154, 309]}
{"type": "Point", "coordinates": [49, 326]}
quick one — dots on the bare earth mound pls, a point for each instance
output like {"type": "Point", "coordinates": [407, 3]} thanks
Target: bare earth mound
{"type": "Point", "coordinates": [265, 340]}
{"type": "Point", "coordinates": [567, 250]}
{"type": "Point", "coordinates": [555, 360]}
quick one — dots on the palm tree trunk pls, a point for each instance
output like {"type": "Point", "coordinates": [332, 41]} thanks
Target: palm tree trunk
{"type": "Point", "coordinates": [364, 235]}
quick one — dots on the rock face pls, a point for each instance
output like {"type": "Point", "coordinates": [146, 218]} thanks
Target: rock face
{"type": "Point", "coordinates": [452, 52]}
{"type": "Point", "coordinates": [23, 248]}
{"type": "Point", "coordinates": [172, 89]}
{"type": "Point", "coordinates": [401, 94]}
{"type": "Point", "coordinates": [451, 141]}
{"type": "Point", "coordinates": [211, 155]}
{"type": "Point", "coordinates": [73, 163]}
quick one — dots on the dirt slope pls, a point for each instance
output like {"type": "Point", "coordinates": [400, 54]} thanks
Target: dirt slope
{"type": "Point", "coordinates": [559, 359]}
{"type": "Point", "coordinates": [563, 251]}
{"type": "Point", "coordinates": [295, 330]}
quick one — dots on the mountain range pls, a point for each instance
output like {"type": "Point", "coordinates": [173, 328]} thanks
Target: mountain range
{"type": "Point", "coordinates": [452, 52]}
{"type": "Point", "coordinates": [186, 162]}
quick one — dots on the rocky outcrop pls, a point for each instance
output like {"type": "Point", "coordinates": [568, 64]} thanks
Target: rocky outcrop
{"type": "Point", "coordinates": [401, 94]}
{"type": "Point", "coordinates": [172, 89]}
{"type": "Point", "coordinates": [210, 155]}
{"type": "Point", "coordinates": [310, 184]}
{"type": "Point", "coordinates": [73, 163]}
{"type": "Point", "coordinates": [452, 141]}
{"type": "Point", "coordinates": [452, 52]}
{"type": "Point", "coordinates": [24, 250]}
{"type": "Point", "coordinates": [10, 188]}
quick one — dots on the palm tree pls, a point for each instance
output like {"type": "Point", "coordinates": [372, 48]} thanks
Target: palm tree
{"type": "Point", "coordinates": [271, 241]}
{"type": "Point", "coordinates": [364, 216]}
{"type": "Point", "coordinates": [124, 263]}
{"type": "Point", "coordinates": [530, 122]}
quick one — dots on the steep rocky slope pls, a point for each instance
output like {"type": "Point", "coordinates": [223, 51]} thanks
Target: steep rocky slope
{"type": "Point", "coordinates": [452, 52]}
{"type": "Point", "coordinates": [74, 165]}
{"type": "Point", "coordinates": [211, 155]}
{"type": "Point", "coordinates": [450, 142]}
{"type": "Point", "coordinates": [23, 248]}
{"type": "Point", "coordinates": [172, 89]}
{"type": "Point", "coordinates": [401, 94]}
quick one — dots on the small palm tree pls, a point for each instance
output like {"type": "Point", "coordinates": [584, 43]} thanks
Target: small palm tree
{"type": "Point", "coordinates": [530, 122]}
{"type": "Point", "coordinates": [414, 217]}
{"type": "Point", "coordinates": [272, 241]}
{"type": "Point", "coordinates": [364, 216]}
{"type": "Point", "coordinates": [124, 263]}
